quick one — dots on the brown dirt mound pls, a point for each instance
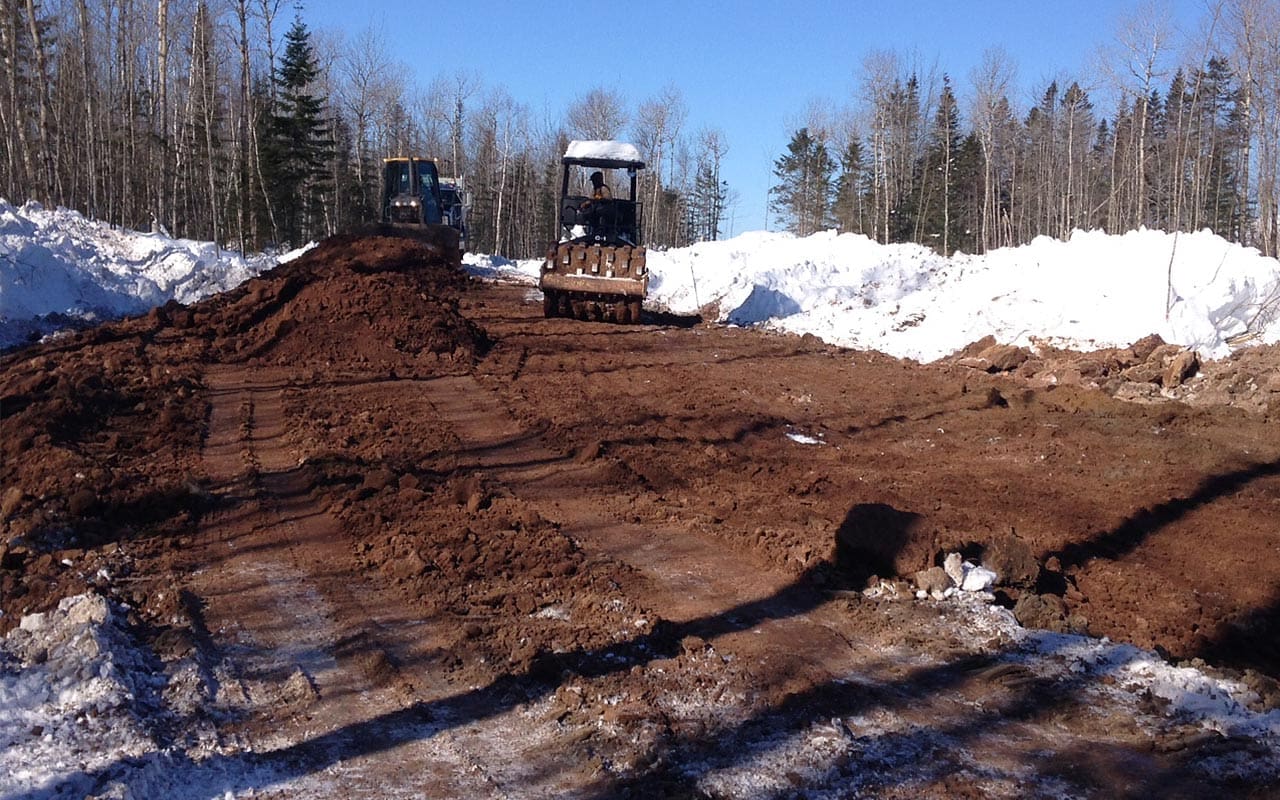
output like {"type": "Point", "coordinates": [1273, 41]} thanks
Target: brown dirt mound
{"type": "Point", "coordinates": [102, 428]}
{"type": "Point", "coordinates": [381, 302]}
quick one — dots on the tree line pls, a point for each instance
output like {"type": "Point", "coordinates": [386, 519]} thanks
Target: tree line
{"type": "Point", "coordinates": [1186, 145]}
{"type": "Point", "coordinates": [233, 123]}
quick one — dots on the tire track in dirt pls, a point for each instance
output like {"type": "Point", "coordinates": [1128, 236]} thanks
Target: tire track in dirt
{"type": "Point", "coordinates": [693, 578]}
{"type": "Point", "coordinates": [310, 657]}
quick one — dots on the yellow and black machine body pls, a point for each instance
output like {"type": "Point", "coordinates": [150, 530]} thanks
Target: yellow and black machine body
{"type": "Point", "coordinates": [598, 268]}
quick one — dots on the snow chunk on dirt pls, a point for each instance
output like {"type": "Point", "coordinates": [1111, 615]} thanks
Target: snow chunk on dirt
{"type": "Point", "coordinates": [74, 688]}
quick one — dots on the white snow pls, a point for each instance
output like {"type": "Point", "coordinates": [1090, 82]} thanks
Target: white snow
{"type": "Point", "coordinates": [58, 262]}
{"type": "Point", "coordinates": [803, 438]}
{"type": "Point", "coordinates": [602, 148]}
{"type": "Point", "coordinates": [81, 704]}
{"type": "Point", "coordinates": [1092, 291]}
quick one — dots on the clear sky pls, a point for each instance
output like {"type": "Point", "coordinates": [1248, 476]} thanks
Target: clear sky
{"type": "Point", "coordinates": [748, 68]}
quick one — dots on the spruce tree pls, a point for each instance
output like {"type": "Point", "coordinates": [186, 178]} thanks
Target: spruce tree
{"type": "Point", "coordinates": [1223, 211]}
{"type": "Point", "coordinates": [706, 206]}
{"type": "Point", "coordinates": [803, 196]}
{"type": "Point", "coordinates": [297, 144]}
{"type": "Point", "coordinates": [936, 224]}
{"type": "Point", "coordinates": [852, 191]}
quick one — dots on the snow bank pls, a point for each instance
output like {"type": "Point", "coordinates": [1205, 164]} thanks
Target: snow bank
{"type": "Point", "coordinates": [499, 268]}
{"type": "Point", "coordinates": [58, 262]}
{"type": "Point", "coordinates": [1092, 291]}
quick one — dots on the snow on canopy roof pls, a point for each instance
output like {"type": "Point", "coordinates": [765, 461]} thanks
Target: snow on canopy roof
{"type": "Point", "coordinates": [602, 149]}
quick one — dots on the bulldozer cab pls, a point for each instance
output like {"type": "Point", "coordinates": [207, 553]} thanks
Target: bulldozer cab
{"type": "Point", "coordinates": [411, 191]}
{"type": "Point", "coordinates": [610, 220]}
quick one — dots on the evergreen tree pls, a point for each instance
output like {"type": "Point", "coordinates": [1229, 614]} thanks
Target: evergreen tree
{"type": "Point", "coordinates": [1170, 177]}
{"type": "Point", "coordinates": [1100, 159]}
{"type": "Point", "coordinates": [967, 197]}
{"type": "Point", "coordinates": [852, 191]}
{"type": "Point", "coordinates": [1076, 125]}
{"type": "Point", "coordinates": [706, 206]}
{"type": "Point", "coordinates": [1221, 119]}
{"type": "Point", "coordinates": [936, 189]}
{"type": "Point", "coordinates": [297, 144]}
{"type": "Point", "coordinates": [803, 196]}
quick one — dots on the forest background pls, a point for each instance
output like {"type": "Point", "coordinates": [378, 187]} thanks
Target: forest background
{"type": "Point", "coordinates": [231, 120]}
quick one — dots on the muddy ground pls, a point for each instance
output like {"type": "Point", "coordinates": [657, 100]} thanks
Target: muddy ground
{"type": "Point", "coordinates": [393, 516]}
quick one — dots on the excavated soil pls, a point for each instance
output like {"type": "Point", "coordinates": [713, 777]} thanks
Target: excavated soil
{"type": "Point", "coordinates": [406, 521]}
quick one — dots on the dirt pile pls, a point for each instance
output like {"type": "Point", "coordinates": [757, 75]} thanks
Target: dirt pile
{"type": "Point", "coordinates": [378, 303]}
{"type": "Point", "coordinates": [102, 428]}
{"type": "Point", "coordinates": [1148, 371]}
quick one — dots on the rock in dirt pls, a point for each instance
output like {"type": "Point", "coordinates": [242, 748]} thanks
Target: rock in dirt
{"type": "Point", "coordinates": [10, 501]}
{"type": "Point", "coordinates": [1004, 357]}
{"type": "Point", "coordinates": [953, 565]}
{"type": "Point", "coordinates": [1012, 559]}
{"type": "Point", "coordinates": [1183, 366]}
{"type": "Point", "coordinates": [1043, 611]}
{"type": "Point", "coordinates": [933, 580]}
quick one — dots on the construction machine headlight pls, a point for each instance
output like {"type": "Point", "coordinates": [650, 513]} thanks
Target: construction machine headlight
{"type": "Point", "coordinates": [402, 202]}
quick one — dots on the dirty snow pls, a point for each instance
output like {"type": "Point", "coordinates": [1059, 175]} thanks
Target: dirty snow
{"type": "Point", "coordinates": [86, 708]}
{"type": "Point", "coordinates": [57, 262]}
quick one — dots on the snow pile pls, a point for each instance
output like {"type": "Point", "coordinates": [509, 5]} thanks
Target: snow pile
{"type": "Point", "coordinates": [74, 691]}
{"type": "Point", "coordinates": [499, 268]}
{"type": "Point", "coordinates": [57, 262]}
{"type": "Point", "coordinates": [1094, 290]}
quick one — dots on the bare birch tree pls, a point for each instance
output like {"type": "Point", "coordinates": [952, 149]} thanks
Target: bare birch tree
{"type": "Point", "coordinates": [599, 114]}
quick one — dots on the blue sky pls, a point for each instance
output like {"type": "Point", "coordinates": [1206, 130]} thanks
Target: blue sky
{"type": "Point", "coordinates": [749, 68]}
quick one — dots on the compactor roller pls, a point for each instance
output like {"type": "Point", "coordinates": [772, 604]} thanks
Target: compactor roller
{"type": "Point", "coordinates": [597, 270]}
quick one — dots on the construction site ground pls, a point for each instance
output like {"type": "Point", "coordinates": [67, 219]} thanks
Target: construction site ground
{"type": "Point", "coordinates": [391, 533]}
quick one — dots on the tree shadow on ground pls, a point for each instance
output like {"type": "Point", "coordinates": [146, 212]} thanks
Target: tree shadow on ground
{"type": "Point", "coordinates": [1249, 641]}
{"type": "Point", "coordinates": [1130, 534]}
{"type": "Point", "coordinates": [545, 673]}
{"type": "Point", "coordinates": [866, 761]}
